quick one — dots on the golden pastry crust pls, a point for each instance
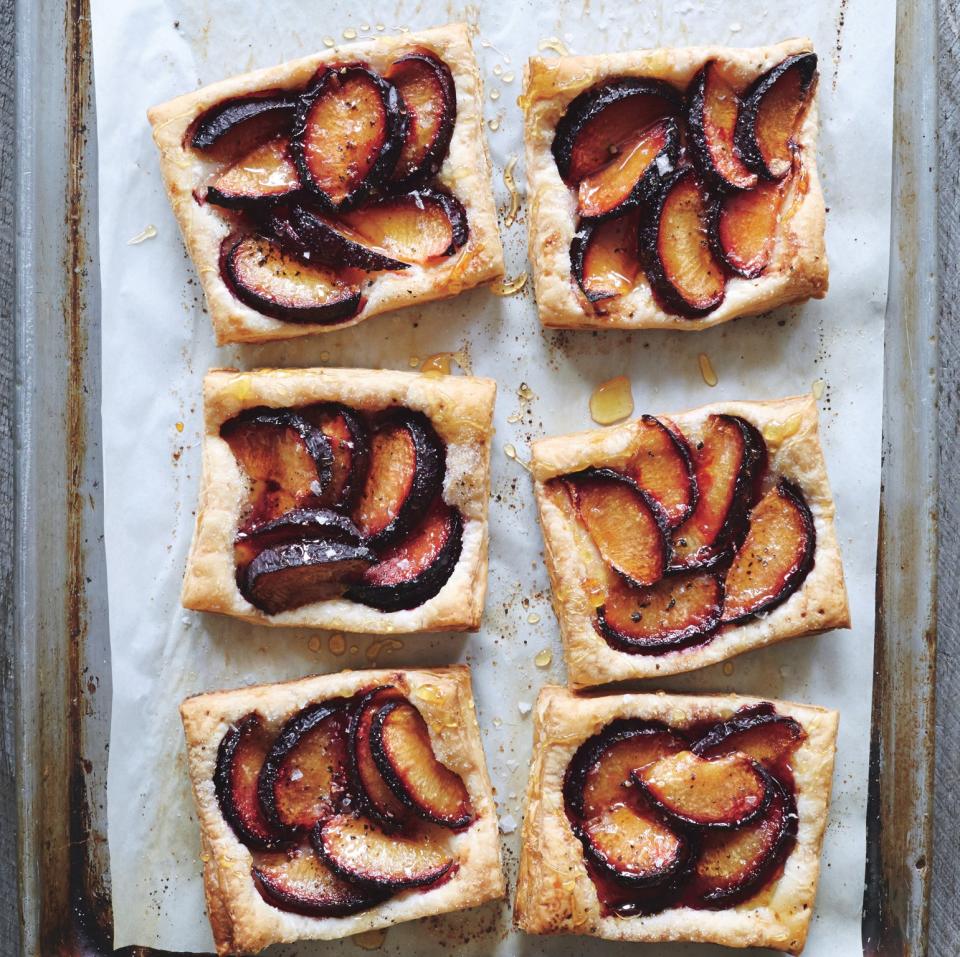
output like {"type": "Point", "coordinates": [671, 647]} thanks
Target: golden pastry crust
{"type": "Point", "coordinates": [465, 173]}
{"type": "Point", "coordinates": [555, 894]}
{"type": "Point", "coordinates": [790, 429]}
{"type": "Point", "coordinates": [798, 265]}
{"type": "Point", "coordinates": [461, 411]}
{"type": "Point", "coordinates": [242, 921]}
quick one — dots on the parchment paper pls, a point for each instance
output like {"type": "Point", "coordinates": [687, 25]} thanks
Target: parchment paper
{"type": "Point", "coordinates": [157, 344]}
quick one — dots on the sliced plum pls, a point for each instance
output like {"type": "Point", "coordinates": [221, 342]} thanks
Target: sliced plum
{"type": "Point", "coordinates": [287, 460]}
{"type": "Point", "coordinates": [276, 107]}
{"type": "Point", "coordinates": [349, 128]}
{"type": "Point", "coordinates": [377, 799]}
{"type": "Point", "coordinates": [744, 226]}
{"type": "Point", "coordinates": [301, 883]}
{"type": "Point", "coordinates": [358, 850]}
{"type": "Point", "coordinates": [712, 121]}
{"type": "Point", "coordinates": [240, 757]}
{"type": "Point", "coordinates": [350, 445]}
{"type": "Point", "coordinates": [775, 557]}
{"type": "Point", "coordinates": [676, 612]}
{"type": "Point", "coordinates": [417, 567]}
{"type": "Point", "coordinates": [263, 176]}
{"type": "Point", "coordinates": [724, 792]}
{"type": "Point", "coordinates": [733, 865]}
{"type": "Point", "coordinates": [597, 121]}
{"type": "Point", "coordinates": [400, 742]}
{"type": "Point", "coordinates": [767, 737]}
{"type": "Point", "coordinates": [626, 524]}
{"type": "Point", "coordinates": [634, 175]}
{"type": "Point", "coordinates": [729, 460]}
{"type": "Point", "coordinates": [770, 114]}
{"type": "Point", "coordinates": [684, 275]}
{"type": "Point", "coordinates": [418, 227]}
{"type": "Point", "coordinates": [305, 774]}
{"type": "Point", "coordinates": [604, 257]}
{"type": "Point", "coordinates": [263, 276]}
{"type": "Point", "coordinates": [297, 525]}
{"type": "Point", "coordinates": [663, 467]}
{"type": "Point", "coordinates": [429, 94]}
{"type": "Point", "coordinates": [407, 463]}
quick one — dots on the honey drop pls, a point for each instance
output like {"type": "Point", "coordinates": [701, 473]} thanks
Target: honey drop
{"type": "Point", "coordinates": [611, 401]}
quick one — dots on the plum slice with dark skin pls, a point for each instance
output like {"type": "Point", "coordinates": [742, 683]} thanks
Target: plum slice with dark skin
{"type": "Point", "coordinates": [743, 227]}
{"type": "Point", "coordinates": [604, 257]}
{"type": "Point", "coordinates": [358, 850]}
{"type": "Point", "coordinates": [225, 118]}
{"type": "Point", "coordinates": [349, 128]}
{"type": "Point", "coordinates": [767, 737]}
{"type": "Point", "coordinates": [633, 176]}
{"type": "Point", "coordinates": [429, 94]}
{"type": "Point", "coordinates": [678, 611]}
{"type": "Point", "coordinates": [304, 778]}
{"type": "Point", "coordinates": [421, 227]}
{"type": "Point", "coordinates": [401, 747]}
{"type": "Point", "coordinates": [729, 461]}
{"type": "Point", "coordinates": [770, 115]}
{"type": "Point", "coordinates": [239, 759]}
{"type": "Point", "coordinates": [350, 446]}
{"type": "Point", "coordinates": [407, 463]}
{"type": "Point", "coordinates": [299, 524]}
{"type": "Point", "coordinates": [663, 467]}
{"type": "Point", "coordinates": [626, 524]}
{"type": "Point", "coordinates": [300, 882]}
{"type": "Point", "coordinates": [263, 176]}
{"type": "Point", "coordinates": [263, 276]}
{"type": "Point", "coordinates": [724, 792]}
{"type": "Point", "coordinates": [685, 276]}
{"type": "Point", "coordinates": [417, 567]}
{"type": "Point", "coordinates": [775, 557]}
{"type": "Point", "coordinates": [598, 120]}
{"type": "Point", "coordinates": [712, 120]}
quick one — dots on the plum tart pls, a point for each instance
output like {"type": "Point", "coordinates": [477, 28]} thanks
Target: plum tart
{"type": "Point", "coordinates": [677, 541]}
{"type": "Point", "coordinates": [301, 217]}
{"type": "Point", "coordinates": [675, 188]}
{"type": "Point", "coordinates": [343, 499]}
{"type": "Point", "coordinates": [654, 817]}
{"type": "Point", "coordinates": [340, 804]}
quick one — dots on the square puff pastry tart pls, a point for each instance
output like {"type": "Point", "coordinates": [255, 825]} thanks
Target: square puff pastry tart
{"type": "Point", "coordinates": [460, 409]}
{"type": "Point", "coordinates": [797, 269]}
{"type": "Point", "coordinates": [555, 893]}
{"type": "Point", "coordinates": [243, 921]}
{"type": "Point", "coordinates": [465, 173]}
{"type": "Point", "coordinates": [789, 428]}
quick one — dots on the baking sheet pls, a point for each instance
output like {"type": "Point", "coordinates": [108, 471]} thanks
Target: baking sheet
{"type": "Point", "coordinates": [157, 344]}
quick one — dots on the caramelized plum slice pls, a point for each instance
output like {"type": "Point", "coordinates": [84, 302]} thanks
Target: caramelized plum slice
{"type": "Point", "coordinates": [350, 126]}
{"type": "Point", "coordinates": [304, 776]}
{"type": "Point", "coordinates": [239, 759]}
{"type": "Point", "coordinates": [626, 525]}
{"type": "Point", "coordinates": [633, 175]}
{"type": "Point", "coordinates": [377, 799]}
{"type": "Point", "coordinates": [430, 97]}
{"type": "Point", "coordinates": [770, 114]}
{"type": "Point", "coordinates": [400, 742]}
{"type": "Point", "coordinates": [733, 865]}
{"type": "Point", "coordinates": [663, 467]}
{"type": "Point", "coordinates": [417, 227]}
{"type": "Point", "coordinates": [599, 120]}
{"type": "Point", "coordinates": [767, 737]}
{"type": "Point", "coordinates": [301, 883]}
{"type": "Point", "coordinates": [286, 459]}
{"type": "Point", "coordinates": [264, 175]}
{"type": "Point", "coordinates": [725, 792]}
{"type": "Point", "coordinates": [674, 240]}
{"type": "Point", "coordinates": [676, 612]}
{"type": "Point", "coordinates": [729, 462]}
{"type": "Point", "coordinates": [417, 567]}
{"type": "Point", "coordinates": [712, 121]}
{"type": "Point", "coordinates": [264, 277]}
{"type": "Point", "coordinates": [297, 525]}
{"type": "Point", "coordinates": [744, 228]}
{"type": "Point", "coordinates": [358, 850]}
{"type": "Point", "coordinates": [604, 257]}
{"type": "Point", "coordinates": [634, 846]}
{"type": "Point", "coordinates": [775, 557]}
{"type": "Point", "coordinates": [407, 462]}
{"type": "Point", "coordinates": [301, 573]}
{"type": "Point", "coordinates": [350, 447]}
{"type": "Point", "coordinates": [226, 117]}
